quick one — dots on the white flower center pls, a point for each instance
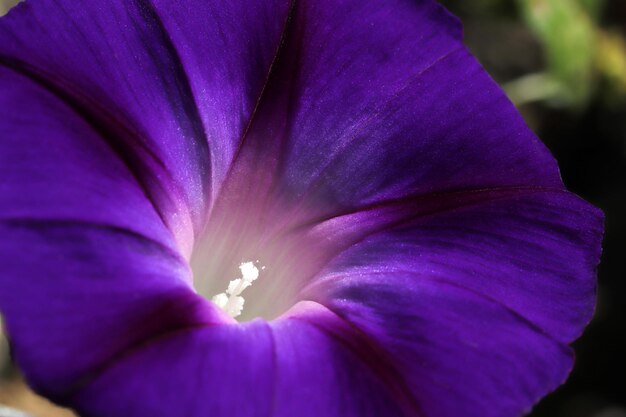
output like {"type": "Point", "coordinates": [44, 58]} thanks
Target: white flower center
{"type": "Point", "coordinates": [231, 300]}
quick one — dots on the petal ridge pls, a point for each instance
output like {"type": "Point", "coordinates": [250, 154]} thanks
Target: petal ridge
{"type": "Point", "coordinates": [353, 338]}
{"type": "Point", "coordinates": [189, 99]}
{"type": "Point", "coordinates": [258, 102]}
{"type": "Point", "coordinates": [364, 124]}
{"type": "Point", "coordinates": [105, 125]}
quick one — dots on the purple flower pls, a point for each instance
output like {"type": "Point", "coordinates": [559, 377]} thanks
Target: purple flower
{"type": "Point", "coordinates": [421, 255]}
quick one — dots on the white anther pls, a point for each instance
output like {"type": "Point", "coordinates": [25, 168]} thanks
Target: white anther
{"type": "Point", "coordinates": [249, 272]}
{"type": "Point", "coordinates": [220, 300]}
{"type": "Point", "coordinates": [231, 301]}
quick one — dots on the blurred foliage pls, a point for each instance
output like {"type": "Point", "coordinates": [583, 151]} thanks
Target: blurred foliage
{"type": "Point", "coordinates": [593, 7]}
{"type": "Point", "coordinates": [583, 56]}
{"type": "Point", "coordinates": [611, 60]}
{"type": "Point", "coordinates": [580, 54]}
{"type": "Point", "coordinates": [568, 35]}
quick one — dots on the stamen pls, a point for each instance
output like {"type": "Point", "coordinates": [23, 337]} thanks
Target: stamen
{"type": "Point", "coordinates": [231, 301]}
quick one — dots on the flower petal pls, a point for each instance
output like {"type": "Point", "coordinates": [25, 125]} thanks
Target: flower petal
{"type": "Point", "coordinates": [475, 301]}
{"type": "Point", "coordinates": [213, 371]}
{"type": "Point", "coordinates": [54, 165]}
{"type": "Point", "coordinates": [71, 307]}
{"type": "Point", "coordinates": [318, 375]}
{"type": "Point", "coordinates": [165, 102]}
{"type": "Point", "coordinates": [228, 50]}
{"type": "Point", "coordinates": [388, 107]}
{"type": "Point", "coordinates": [377, 100]}
{"type": "Point", "coordinates": [456, 352]}
{"type": "Point", "coordinates": [87, 266]}
{"type": "Point", "coordinates": [280, 369]}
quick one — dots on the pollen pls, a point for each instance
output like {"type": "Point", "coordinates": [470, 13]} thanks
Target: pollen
{"type": "Point", "coordinates": [231, 300]}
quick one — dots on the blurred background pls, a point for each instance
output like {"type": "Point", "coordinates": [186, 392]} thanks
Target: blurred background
{"type": "Point", "coordinates": [563, 63]}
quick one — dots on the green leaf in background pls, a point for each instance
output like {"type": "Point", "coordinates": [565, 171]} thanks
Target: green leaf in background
{"type": "Point", "coordinates": [611, 62]}
{"type": "Point", "coordinates": [567, 32]}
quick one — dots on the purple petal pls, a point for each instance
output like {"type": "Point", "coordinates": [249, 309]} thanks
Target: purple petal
{"type": "Point", "coordinates": [73, 306]}
{"type": "Point", "coordinates": [55, 166]}
{"type": "Point", "coordinates": [212, 371]}
{"type": "Point", "coordinates": [457, 352]}
{"type": "Point", "coordinates": [173, 112]}
{"type": "Point", "coordinates": [286, 368]}
{"type": "Point", "coordinates": [377, 100]}
{"type": "Point", "coordinates": [227, 50]}
{"type": "Point", "coordinates": [87, 267]}
{"type": "Point", "coordinates": [348, 122]}
{"type": "Point", "coordinates": [475, 301]}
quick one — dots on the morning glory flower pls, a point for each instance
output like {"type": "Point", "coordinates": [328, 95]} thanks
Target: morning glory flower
{"type": "Point", "coordinates": [278, 208]}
